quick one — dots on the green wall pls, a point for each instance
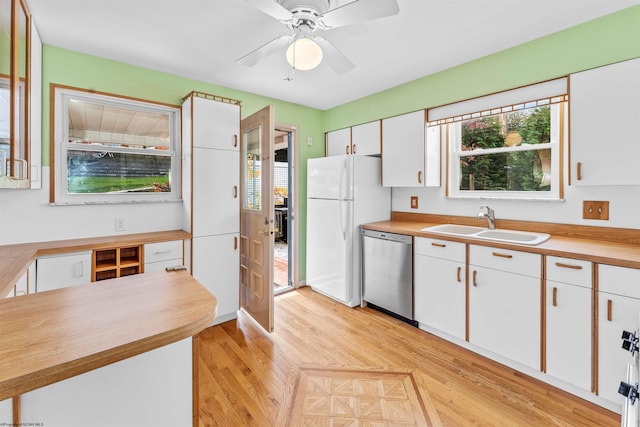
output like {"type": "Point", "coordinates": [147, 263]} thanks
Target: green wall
{"type": "Point", "coordinates": [606, 40]}
{"type": "Point", "coordinates": [609, 39]}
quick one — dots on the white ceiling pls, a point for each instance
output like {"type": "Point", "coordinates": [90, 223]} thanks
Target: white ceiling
{"type": "Point", "coordinates": [201, 39]}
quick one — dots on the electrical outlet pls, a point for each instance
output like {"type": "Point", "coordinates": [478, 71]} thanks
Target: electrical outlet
{"type": "Point", "coordinates": [121, 224]}
{"type": "Point", "coordinates": [592, 209]}
{"type": "Point", "coordinates": [414, 202]}
{"type": "Point", "coordinates": [309, 141]}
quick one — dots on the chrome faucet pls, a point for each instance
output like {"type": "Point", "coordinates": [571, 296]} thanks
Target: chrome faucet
{"type": "Point", "coordinates": [488, 213]}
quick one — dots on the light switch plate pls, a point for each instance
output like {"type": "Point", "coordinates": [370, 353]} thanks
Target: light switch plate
{"type": "Point", "coordinates": [593, 209]}
{"type": "Point", "coordinates": [414, 202]}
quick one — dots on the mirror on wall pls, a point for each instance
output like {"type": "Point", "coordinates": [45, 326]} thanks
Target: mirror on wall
{"type": "Point", "coordinates": [15, 41]}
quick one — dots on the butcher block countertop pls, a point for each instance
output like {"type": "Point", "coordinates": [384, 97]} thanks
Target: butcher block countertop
{"type": "Point", "coordinates": [614, 246]}
{"type": "Point", "coordinates": [50, 336]}
{"type": "Point", "coordinates": [15, 259]}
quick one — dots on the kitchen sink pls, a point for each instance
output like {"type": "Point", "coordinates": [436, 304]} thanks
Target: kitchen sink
{"type": "Point", "coordinates": [505, 236]}
{"type": "Point", "coordinates": [456, 230]}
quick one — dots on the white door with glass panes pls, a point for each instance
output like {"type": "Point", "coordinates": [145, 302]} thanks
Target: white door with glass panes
{"type": "Point", "coordinates": [568, 321]}
{"type": "Point", "coordinates": [403, 150]}
{"type": "Point", "coordinates": [366, 139]}
{"type": "Point", "coordinates": [618, 310]}
{"type": "Point", "coordinates": [605, 111]}
{"type": "Point", "coordinates": [338, 142]}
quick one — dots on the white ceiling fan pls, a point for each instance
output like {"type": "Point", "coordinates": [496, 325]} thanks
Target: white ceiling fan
{"type": "Point", "coordinates": [306, 49]}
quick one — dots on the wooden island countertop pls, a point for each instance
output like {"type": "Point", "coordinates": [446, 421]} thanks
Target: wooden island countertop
{"type": "Point", "coordinates": [50, 336]}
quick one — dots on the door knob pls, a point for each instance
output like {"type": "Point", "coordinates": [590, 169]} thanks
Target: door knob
{"type": "Point", "coordinates": [265, 232]}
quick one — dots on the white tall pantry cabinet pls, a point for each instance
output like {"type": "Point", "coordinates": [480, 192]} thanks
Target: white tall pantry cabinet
{"type": "Point", "coordinates": [210, 176]}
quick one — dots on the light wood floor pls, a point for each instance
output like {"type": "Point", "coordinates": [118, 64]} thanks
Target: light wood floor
{"type": "Point", "coordinates": [244, 372]}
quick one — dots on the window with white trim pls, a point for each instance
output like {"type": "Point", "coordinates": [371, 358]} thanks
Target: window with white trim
{"type": "Point", "coordinates": [110, 149]}
{"type": "Point", "coordinates": [510, 150]}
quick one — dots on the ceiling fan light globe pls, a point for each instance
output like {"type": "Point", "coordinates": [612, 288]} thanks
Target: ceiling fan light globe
{"type": "Point", "coordinates": [304, 54]}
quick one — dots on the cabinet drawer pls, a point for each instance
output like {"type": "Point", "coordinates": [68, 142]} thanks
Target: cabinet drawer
{"type": "Point", "coordinates": [161, 265]}
{"type": "Point", "coordinates": [59, 271]}
{"type": "Point", "coordinates": [567, 270]}
{"type": "Point", "coordinates": [619, 280]}
{"type": "Point", "coordinates": [162, 251]}
{"type": "Point", "coordinates": [517, 262]}
{"type": "Point", "coordinates": [444, 249]}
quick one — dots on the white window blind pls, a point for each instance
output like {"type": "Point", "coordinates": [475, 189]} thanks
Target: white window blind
{"type": "Point", "coordinates": [548, 92]}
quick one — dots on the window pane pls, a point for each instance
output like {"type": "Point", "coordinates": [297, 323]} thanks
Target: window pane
{"type": "Point", "coordinates": [523, 127]}
{"type": "Point", "coordinates": [109, 125]}
{"type": "Point", "coordinates": [109, 172]}
{"type": "Point", "coordinates": [515, 171]}
{"type": "Point", "coordinates": [252, 179]}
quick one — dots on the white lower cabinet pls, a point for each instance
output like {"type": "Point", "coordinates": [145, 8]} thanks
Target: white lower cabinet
{"type": "Point", "coordinates": [6, 412]}
{"type": "Point", "coordinates": [504, 303]}
{"type": "Point", "coordinates": [439, 285]}
{"type": "Point", "coordinates": [618, 310]}
{"type": "Point", "coordinates": [216, 266]}
{"type": "Point", "coordinates": [148, 390]}
{"type": "Point", "coordinates": [59, 271]}
{"type": "Point", "coordinates": [158, 256]}
{"type": "Point", "coordinates": [568, 321]}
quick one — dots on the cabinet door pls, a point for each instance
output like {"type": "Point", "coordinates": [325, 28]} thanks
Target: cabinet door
{"type": "Point", "coordinates": [504, 314]}
{"type": "Point", "coordinates": [618, 310]}
{"type": "Point", "coordinates": [215, 124]}
{"type": "Point", "coordinates": [568, 326]}
{"type": "Point", "coordinates": [216, 265]}
{"type": "Point", "coordinates": [150, 389]}
{"type": "Point", "coordinates": [6, 412]}
{"type": "Point", "coordinates": [60, 271]}
{"type": "Point", "coordinates": [216, 203]}
{"type": "Point", "coordinates": [339, 142]}
{"type": "Point", "coordinates": [605, 107]}
{"type": "Point", "coordinates": [439, 294]}
{"type": "Point", "coordinates": [365, 139]}
{"type": "Point", "coordinates": [403, 150]}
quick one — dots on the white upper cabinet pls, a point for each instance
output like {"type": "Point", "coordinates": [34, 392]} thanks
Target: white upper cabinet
{"type": "Point", "coordinates": [365, 139]}
{"type": "Point", "coordinates": [604, 110]}
{"type": "Point", "coordinates": [215, 124]}
{"type": "Point", "coordinates": [403, 151]}
{"type": "Point", "coordinates": [338, 142]}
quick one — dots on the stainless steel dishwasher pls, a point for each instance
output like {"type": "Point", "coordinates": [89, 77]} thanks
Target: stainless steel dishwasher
{"type": "Point", "coordinates": [387, 272]}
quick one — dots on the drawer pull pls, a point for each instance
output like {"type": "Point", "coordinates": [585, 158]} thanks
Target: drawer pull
{"type": "Point", "coordinates": [555, 297]}
{"type": "Point", "coordinates": [573, 267]}
{"type": "Point", "coordinates": [609, 310]}
{"type": "Point", "coordinates": [168, 251]}
{"type": "Point", "coordinates": [475, 276]}
{"type": "Point", "coordinates": [438, 245]}
{"type": "Point", "coordinates": [579, 171]}
{"type": "Point", "coordinates": [459, 271]}
{"type": "Point", "coordinates": [498, 254]}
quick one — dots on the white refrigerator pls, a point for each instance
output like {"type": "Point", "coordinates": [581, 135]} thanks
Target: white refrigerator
{"type": "Point", "coordinates": [343, 192]}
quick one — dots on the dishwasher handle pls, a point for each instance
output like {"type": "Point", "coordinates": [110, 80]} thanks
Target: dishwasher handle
{"type": "Point", "coordinates": [401, 238]}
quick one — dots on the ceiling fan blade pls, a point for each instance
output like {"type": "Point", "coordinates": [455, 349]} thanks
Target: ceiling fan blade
{"type": "Point", "coordinates": [272, 8]}
{"type": "Point", "coordinates": [255, 56]}
{"type": "Point", "coordinates": [358, 11]}
{"type": "Point", "coordinates": [333, 57]}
